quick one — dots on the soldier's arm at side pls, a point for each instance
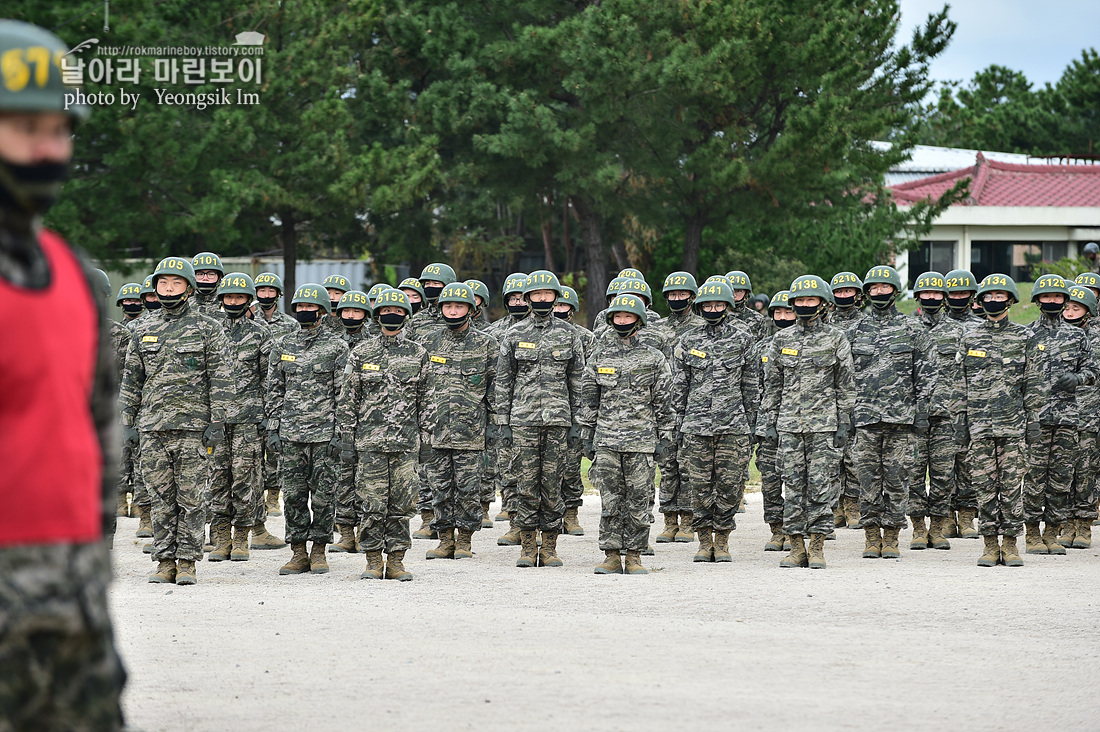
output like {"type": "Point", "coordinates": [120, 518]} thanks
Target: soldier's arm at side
{"type": "Point", "coordinates": [133, 380]}
{"type": "Point", "coordinates": [662, 398]}
{"type": "Point", "coordinates": [275, 387]}
{"type": "Point", "coordinates": [218, 373]}
{"type": "Point", "coordinates": [773, 378]}
{"type": "Point", "coordinates": [505, 379]}
{"type": "Point", "coordinates": [347, 403]}
{"type": "Point", "coordinates": [590, 396]}
{"type": "Point", "coordinates": [573, 374]}
{"type": "Point", "coordinates": [845, 381]}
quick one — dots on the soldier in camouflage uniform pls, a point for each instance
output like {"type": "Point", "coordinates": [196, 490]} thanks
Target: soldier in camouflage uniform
{"type": "Point", "coordinates": [632, 282]}
{"type": "Point", "coordinates": [433, 278]}
{"type": "Point", "coordinates": [378, 414]}
{"type": "Point", "coordinates": [961, 290]}
{"type": "Point", "coordinates": [481, 322]}
{"type": "Point", "coordinates": [208, 273]}
{"type": "Point", "coordinates": [354, 312]}
{"type": "Point", "coordinates": [742, 311]}
{"type": "Point", "coordinates": [414, 291]}
{"type": "Point", "coordinates": [937, 451]}
{"type": "Point", "coordinates": [716, 390]}
{"type": "Point", "coordinates": [809, 395]}
{"type": "Point", "coordinates": [767, 448]}
{"type": "Point", "coordinates": [626, 408]}
{"type": "Point", "coordinates": [129, 299]}
{"type": "Point", "coordinates": [335, 285]}
{"type": "Point", "coordinates": [237, 484]}
{"type": "Point", "coordinates": [847, 289]}
{"type": "Point", "coordinates": [572, 487]}
{"type": "Point", "coordinates": [459, 383]}
{"type": "Point", "coordinates": [149, 296]}
{"type": "Point", "coordinates": [480, 319]}
{"type": "Point", "coordinates": [177, 391]}
{"type": "Point", "coordinates": [538, 394]}
{"type": "Point", "coordinates": [1064, 358]}
{"type": "Point", "coordinates": [895, 373]}
{"type": "Point", "coordinates": [143, 502]}
{"type": "Point", "coordinates": [1077, 531]}
{"type": "Point", "coordinates": [305, 374]}
{"type": "Point", "coordinates": [269, 289]}
{"type": "Point", "coordinates": [1001, 398]}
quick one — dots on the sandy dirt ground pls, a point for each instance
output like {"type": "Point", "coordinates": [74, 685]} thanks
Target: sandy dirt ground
{"type": "Point", "coordinates": [929, 641]}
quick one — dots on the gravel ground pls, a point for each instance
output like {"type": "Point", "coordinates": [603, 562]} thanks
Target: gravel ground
{"type": "Point", "coordinates": [930, 640]}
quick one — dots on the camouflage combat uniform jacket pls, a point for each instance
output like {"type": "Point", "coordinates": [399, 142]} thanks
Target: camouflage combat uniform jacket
{"type": "Point", "coordinates": [249, 354]}
{"type": "Point", "coordinates": [754, 321]}
{"type": "Point", "coordinates": [1002, 393]}
{"type": "Point", "coordinates": [383, 393]}
{"type": "Point", "coordinates": [948, 400]}
{"type": "Point", "coordinates": [304, 377]}
{"type": "Point", "coordinates": [538, 374]}
{"type": "Point", "coordinates": [715, 382]}
{"type": "Point", "coordinates": [809, 380]}
{"type": "Point", "coordinates": [1059, 348]}
{"type": "Point", "coordinates": [459, 381]}
{"type": "Point", "coordinates": [894, 369]}
{"type": "Point", "coordinates": [280, 322]}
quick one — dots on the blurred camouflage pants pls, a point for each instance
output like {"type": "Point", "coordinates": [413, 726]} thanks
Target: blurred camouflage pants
{"type": "Point", "coordinates": [347, 499]}
{"type": "Point", "coordinates": [177, 470]}
{"type": "Point", "coordinates": [997, 464]}
{"type": "Point", "coordinates": [59, 671]}
{"type": "Point", "coordinates": [309, 477]}
{"type": "Point", "coordinates": [572, 487]}
{"type": "Point", "coordinates": [716, 468]}
{"type": "Point", "coordinates": [137, 485]}
{"type": "Point", "coordinates": [771, 480]}
{"type": "Point", "coordinates": [386, 484]}
{"type": "Point", "coordinates": [456, 478]}
{"type": "Point", "coordinates": [675, 494]}
{"type": "Point", "coordinates": [809, 465]}
{"type": "Point", "coordinates": [1085, 494]}
{"type": "Point", "coordinates": [884, 458]}
{"type": "Point", "coordinates": [538, 461]}
{"type": "Point", "coordinates": [936, 453]}
{"type": "Point", "coordinates": [237, 474]}
{"type": "Point", "coordinates": [625, 482]}
{"type": "Point", "coordinates": [1049, 475]}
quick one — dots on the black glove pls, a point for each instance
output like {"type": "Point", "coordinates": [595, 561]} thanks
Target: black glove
{"type": "Point", "coordinates": [588, 449]}
{"type": "Point", "coordinates": [492, 432]}
{"type": "Point", "coordinates": [771, 434]}
{"type": "Point", "coordinates": [130, 437]}
{"type": "Point", "coordinates": [1068, 382]}
{"type": "Point", "coordinates": [840, 437]}
{"type": "Point", "coordinates": [273, 441]}
{"type": "Point", "coordinates": [1033, 433]}
{"type": "Point", "coordinates": [665, 445]}
{"type": "Point", "coordinates": [920, 424]}
{"type": "Point", "coordinates": [347, 452]}
{"type": "Point", "coordinates": [333, 448]}
{"type": "Point", "coordinates": [505, 435]}
{"type": "Point", "coordinates": [573, 436]}
{"type": "Point", "coordinates": [214, 435]}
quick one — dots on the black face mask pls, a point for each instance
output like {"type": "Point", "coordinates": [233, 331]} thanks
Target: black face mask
{"type": "Point", "coordinates": [151, 304]}
{"type": "Point", "coordinates": [781, 324]}
{"type": "Point", "coordinates": [625, 330]}
{"type": "Point", "coordinates": [33, 188]}
{"type": "Point", "coordinates": [881, 302]}
{"type": "Point", "coordinates": [1051, 308]}
{"type": "Point", "coordinates": [267, 302]}
{"type": "Point", "coordinates": [806, 312]}
{"type": "Point", "coordinates": [456, 323]}
{"type": "Point", "coordinates": [207, 288]}
{"type": "Point", "coordinates": [133, 309]}
{"type": "Point", "coordinates": [307, 317]}
{"type": "Point", "coordinates": [844, 303]}
{"type": "Point", "coordinates": [929, 305]}
{"type": "Point", "coordinates": [334, 304]}
{"type": "Point", "coordinates": [518, 311]}
{"type": "Point", "coordinates": [542, 309]}
{"type": "Point", "coordinates": [416, 306]}
{"type": "Point", "coordinates": [234, 311]}
{"type": "Point", "coordinates": [172, 303]}
{"type": "Point", "coordinates": [1075, 321]}
{"type": "Point", "coordinates": [353, 324]}
{"type": "Point", "coordinates": [432, 293]}
{"type": "Point", "coordinates": [393, 321]}
{"type": "Point", "coordinates": [714, 318]}
{"type": "Point", "coordinates": [678, 304]}
{"type": "Point", "coordinates": [995, 307]}
{"type": "Point", "coordinates": [563, 314]}
{"type": "Point", "coordinates": [958, 304]}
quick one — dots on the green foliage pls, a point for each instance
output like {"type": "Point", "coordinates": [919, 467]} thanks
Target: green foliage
{"type": "Point", "coordinates": [1067, 267]}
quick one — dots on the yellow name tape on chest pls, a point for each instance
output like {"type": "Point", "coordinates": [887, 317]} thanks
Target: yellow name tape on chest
{"type": "Point", "coordinates": [790, 351]}
{"type": "Point", "coordinates": [700, 354]}
{"type": "Point", "coordinates": [438, 359]}
{"type": "Point", "coordinates": [763, 359]}
{"type": "Point", "coordinates": [977, 354]}
{"type": "Point", "coordinates": [605, 370]}
{"type": "Point", "coordinates": [288, 357]}
{"type": "Point", "coordinates": [148, 339]}
{"type": "Point", "coordinates": [523, 344]}
{"type": "Point", "coordinates": [1042, 347]}
{"type": "Point", "coordinates": [371, 367]}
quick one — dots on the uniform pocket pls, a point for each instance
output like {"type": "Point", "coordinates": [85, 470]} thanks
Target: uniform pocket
{"type": "Point", "coordinates": [193, 357]}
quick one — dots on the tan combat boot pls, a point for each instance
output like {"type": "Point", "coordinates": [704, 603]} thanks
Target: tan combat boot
{"type": "Point", "coordinates": [797, 557]}
{"type": "Point", "coordinates": [347, 543]}
{"type": "Point", "coordinates": [839, 519]}
{"type": "Point", "coordinates": [1083, 538]}
{"type": "Point", "coordinates": [395, 566]}
{"type": "Point", "coordinates": [299, 560]}
{"type": "Point", "coordinates": [633, 564]}
{"type": "Point", "coordinates": [775, 544]}
{"type": "Point", "coordinates": [992, 554]}
{"type": "Point", "coordinates": [503, 515]}
{"type": "Point", "coordinates": [528, 553]}
{"type": "Point", "coordinates": [722, 546]}
{"type": "Point", "coordinates": [122, 510]}
{"type": "Point", "coordinates": [145, 523]}
{"type": "Point", "coordinates": [571, 524]}
{"type": "Point", "coordinates": [935, 534]}
{"type": "Point", "coordinates": [446, 548]}
{"type": "Point", "coordinates": [166, 572]}
{"type": "Point", "coordinates": [668, 534]}
{"type": "Point", "coordinates": [1069, 531]}
{"type": "Point", "coordinates": [548, 552]}
{"type": "Point", "coordinates": [264, 539]}
{"type": "Point", "coordinates": [851, 514]}
{"type": "Point", "coordinates": [1033, 541]}
{"type": "Point", "coordinates": [318, 564]}
{"type": "Point", "coordinates": [817, 551]}
{"type": "Point", "coordinates": [920, 533]}
{"type": "Point", "coordinates": [686, 534]}
{"type": "Point", "coordinates": [221, 534]}
{"type": "Point", "coordinates": [890, 542]}
{"type": "Point", "coordinates": [611, 563]}
{"type": "Point", "coordinates": [1009, 554]}
{"type": "Point", "coordinates": [511, 537]}
{"type": "Point", "coordinates": [872, 548]}
{"type": "Point", "coordinates": [486, 520]}
{"type": "Point", "coordinates": [425, 531]}
{"type": "Point", "coordinates": [464, 544]}
{"type": "Point", "coordinates": [375, 568]}
{"type": "Point", "coordinates": [271, 502]}
{"type": "Point", "coordinates": [186, 575]}
{"type": "Point", "coordinates": [705, 552]}
{"type": "Point", "coordinates": [965, 524]}
{"type": "Point", "coordinates": [240, 544]}
{"type": "Point", "coordinates": [1050, 538]}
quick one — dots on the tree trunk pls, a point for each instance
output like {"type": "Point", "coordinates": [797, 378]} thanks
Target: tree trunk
{"type": "Point", "coordinates": [622, 259]}
{"type": "Point", "coordinates": [570, 259]}
{"type": "Point", "coordinates": [693, 238]}
{"type": "Point", "coordinates": [289, 239]}
{"type": "Point", "coordinates": [596, 259]}
{"type": "Point", "coordinates": [547, 232]}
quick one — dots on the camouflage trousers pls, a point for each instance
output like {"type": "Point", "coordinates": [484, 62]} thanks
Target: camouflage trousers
{"type": "Point", "coordinates": [177, 471]}
{"type": "Point", "coordinates": [962, 495]}
{"type": "Point", "coordinates": [386, 483]}
{"type": "Point", "coordinates": [572, 487]}
{"type": "Point", "coordinates": [424, 490]}
{"type": "Point", "coordinates": [126, 469]}
{"type": "Point", "coordinates": [1085, 492]}
{"type": "Point", "coordinates": [936, 454]}
{"type": "Point", "coordinates": [538, 461]}
{"type": "Point", "coordinates": [137, 481]}
{"type": "Point", "coordinates": [456, 478]}
{"type": "Point", "coordinates": [1049, 475]}
{"type": "Point", "coordinates": [347, 498]}
{"type": "Point", "coordinates": [59, 671]}
{"type": "Point", "coordinates": [489, 475]}
{"type": "Point", "coordinates": [271, 466]}
{"type": "Point", "coordinates": [506, 478]}
{"type": "Point", "coordinates": [809, 465]}
{"type": "Point", "coordinates": [771, 480]}
{"type": "Point", "coordinates": [625, 482]}
{"type": "Point", "coordinates": [884, 458]}
{"type": "Point", "coordinates": [674, 492]}
{"type": "Point", "coordinates": [997, 464]}
{"type": "Point", "coordinates": [716, 468]}
{"type": "Point", "coordinates": [237, 475]}
{"type": "Point", "coordinates": [847, 477]}
{"type": "Point", "coordinates": [309, 477]}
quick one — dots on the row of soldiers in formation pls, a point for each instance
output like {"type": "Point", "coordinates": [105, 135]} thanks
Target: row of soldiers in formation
{"type": "Point", "coordinates": [367, 406]}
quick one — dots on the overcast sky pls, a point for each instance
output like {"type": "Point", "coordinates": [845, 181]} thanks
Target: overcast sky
{"type": "Point", "coordinates": [1037, 37]}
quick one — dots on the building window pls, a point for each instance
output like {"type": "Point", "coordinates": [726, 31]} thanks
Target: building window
{"type": "Point", "coordinates": [1055, 250]}
{"type": "Point", "coordinates": [932, 256]}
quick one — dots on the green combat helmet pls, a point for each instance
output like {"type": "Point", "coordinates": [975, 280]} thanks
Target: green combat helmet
{"type": "Point", "coordinates": [739, 280]}
{"type": "Point", "coordinates": [102, 283]}
{"type": "Point", "coordinates": [269, 279]}
{"type": "Point", "coordinates": [882, 274]}
{"type": "Point", "coordinates": [481, 290]}
{"type": "Point", "coordinates": [570, 297]}
{"type": "Point", "coordinates": [1088, 279]}
{"type": "Point", "coordinates": [626, 303]}
{"type": "Point", "coordinates": [781, 300]}
{"type": "Point", "coordinates": [1082, 295]}
{"type": "Point", "coordinates": [438, 272]}
{"type": "Point", "coordinates": [680, 281]}
{"type": "Point", "coordinates": [1050, 284]}
{"type": "Point", "coordinates": [43, 90]}
{"type": "Point", "coordinates": [377, 287]}
{"type": "Point", "coordinates": [960, 280]}
{"type": "Point", "coordinates": [129, 291]}
{"type": "Point", "coordinates": [719, 278]}
{"type": "Point", "coordinates": [513, 284]}
{"type": "Point", "coordinates": [354, 299]}
{"type": "Point", "coordinates": [634, 286]}
{"type": "Point", "coordinates": [411, 283]}
{"type": "Point", "coordinates": [390, 297]}
{"type": "Point", "coordinates": [713, 291]}
{"type": "Point", "coordinates": [930, 282]}
{"type": "Point", "coordinates": [311, 293]}
{"type": "Point", "coordinates": [634, 274]}
{"type": "Point", "coordinates": [809, 286]}
{"type": "Point", "coordinates": [207, 261]}
{"type": "Point", "coordinates": [336, 282]}
{"type": "Point", "coordinates": [844, 281]}
{"type": "Point", "coordinates": [541, 279]}
{"type": "Point", "coordinates": [237, 283]}
{"type": "Point", "coordinates": [998, 283]}
{"type": "Point", "coordinates": [173, 266]}
{"type": "Point", "coordinates": [462, 293]}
